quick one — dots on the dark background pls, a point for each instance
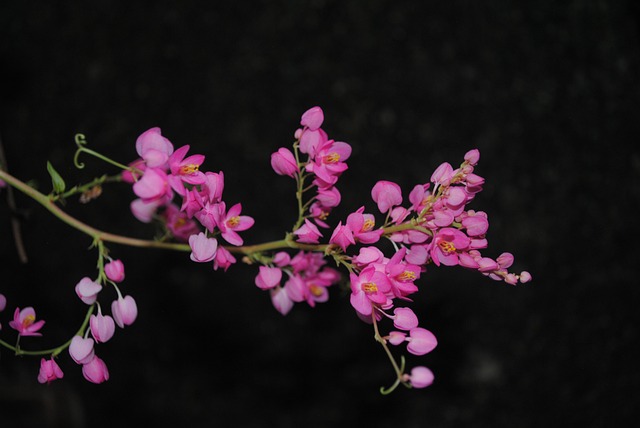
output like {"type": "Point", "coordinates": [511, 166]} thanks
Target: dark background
{"type": "Point", "coordinates": [548, 91]}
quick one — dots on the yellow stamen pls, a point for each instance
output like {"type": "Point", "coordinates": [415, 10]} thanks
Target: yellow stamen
{"type": "Point", "coordinates": [28, 320]}
{"type": "Point", "coordinates": [369, 287]}
{"type": "Point", "coordinates": [315, 290]}
{"type": "Point", "coordinates": [233, 221]}
{"type": "Point", "coordinates": [189, 169]}
{"type": "Point", "coordinates": [447, 247]}
{"type": "Point", "coordinates": [368, 225]}
{"type": "Point", "coordinates": [332, 158]}
{"type": "Point", "coordinates": [407, 275]}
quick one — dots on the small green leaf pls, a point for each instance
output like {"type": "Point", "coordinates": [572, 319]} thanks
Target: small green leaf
{"type": "Point", "coordinates": [56, 179]}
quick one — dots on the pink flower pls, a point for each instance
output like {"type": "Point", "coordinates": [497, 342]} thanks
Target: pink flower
{"type": "Point", "coordinates": [124, 311]}
{"type": "Point", "coordinates": [362, 225]}
{"type": "Point", "coordinates": [447, 242]}
{"type": "Point", "coordinates": [342, 237]}
{"type": "Point", "coordinates": [49, 371]}
{"type": "Point", "coordinates": [87, 290]}
{"type": "Point", "coordinates": [329, 162]}
{"type": "Point", "coordinates": [3, 302]}
{"type": "Point", "coordinates": [284, 163]}
{"type": "Point", "coordinates": [421, 377]}
{"type": "Point", "coordinates": [387, 195]}
{"type": "Point", "coordinates": [442, 174]}
{"type": "Point", "coordinates": [114, 270]}
{"type": "Point", "coordinates": [367, 289]}
{"type": "Point", "coordinates": [329, 198]}
{"type": "Point", "coordinates": [154, 148]}
{"type": "Point", "coordinates": [144, 211]}
{"type": "Point", "coordinates": [308, 233]}
{"type": "Point", "coordinates": [24, 321]}
{"type": "Point", "coordinates": [232, 222]}
{"type": "Point", "coordinates": [203, 249]}
{"type": "Point", "coordinates": [187, 169]}
{"type": "Point", "coordinates": [95, 371]}
{"type": "Point", "coordinates": [368, 255]}
{"type": "Point", "coordinates": [102, 327]}
{"type": "Point", "coordinates": [223, 259]}
{"type": "Point", "coordinates": [525, 276]}
{"type": "Point", "coordinates": [268, 277]}
{"type": "Point", "coordinates": [152, 186]}
{"type": "Point", "coordinates": [472, 157]}
{"type": "Point", "coordinates": [213, 186]}
{"type": "Point", "coordinates": [475, 223]}
{"type": "Point", "coordinates": [421, 341]}
{"type": "Point", "coordinates": [404, 319]}
{"type": "Point", "coordinates": [312, 118]}
{"type": "Point", "coordinates": [81, 349]}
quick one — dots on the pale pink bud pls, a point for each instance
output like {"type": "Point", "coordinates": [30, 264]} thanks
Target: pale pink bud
{"type": "Point", "coordinates": [81, 349]}
{"type": "Point", "coordinates": [511, 279]}
{"type": "Point", "coordinates": [153, 185]}
{"type": "Point", "coordinates": [442, 174]}
{"type": "Point", "coordinates": [387, 195]}
{"type": "Point", "coordinates": [102, 327]}
{"type": "Point", "coordinates": [329, 198]}
{"type": "Point", "coordinates": [115, 270]}
{"type": "Point", "coordinates": [214, 185]}
{"type": "Point", "coordinates": [421, 341]}
{"type": "Point", "coordinates": [312, 118]}
{"type": "Point", "coordinates": [505, 260]}
{"type": "Point", "coordinates": [87, 290]}
{"type": "Point", "coordinates": [281, 300]}
{"type": "Point", "coordinates": [404, 319]}
{"type": "Point", "coordinates": [308, 233]}
{"type": "Point", "coordinates": [476, 225]}
{"type": "Point", "coordinates": [281, 259]}
{"type": "Point", "coordinates": [95, 371]}
{"type": "Point", "coordinates": [153, 147]}
{"type": "Point", "coordinates": [421, 377]}
{"type": "Point", "coordinates": [124, 310]}
{"type": "Point", "coordinates": [525, 276]}
{"type": "Point", "coordinates": [203, 248]}
{"type": "Point", "coordinates": [223, 259]}
{"type": "Point", "coordinates": [472, 156]}
{"type": "Point", "coordinates": [284, 163]}
{"type": "Point", "coordinates": [396, 337]}
{"type": "Point", "coordinates": [144, 211]}
{"type": "Point", "coordinates": [49, 371]}
{"type": "Point", "coordinates": [268, 277]}
{"type": "Point", "coordinates": [486, 264]}
{"type": "Point", "coordinates": [368, 255]}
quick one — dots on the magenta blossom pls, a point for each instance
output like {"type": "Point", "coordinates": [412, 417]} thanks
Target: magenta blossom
{"type": "Point", "coordinates": [404, 319]}
{"type": "Point", "coordinates": [3, 302]}
{"type": "Point", "coordinates": [447, 242]}
{"type": "Point", "coordinates": [186, 169]}
{"type": "Point", "coordinates": [24, 321]}
{"type": "Point", "coordinates": [223, 259]}
{"type": "Point", "coordinates": [95, 371]}
{"type": "Point", "coordinates": [308, 233]}
{"type": "Point", "coordinates": [284, 163]}
{"type": "Point", "coordinates": [387, 195]}
{"type": "Point", "coordinates": [342, 236]}
{"type": "Point", "coordinates": [152, 186]}
{"type": "Point", "coordinates": [368, 289]}
{"type": "Point", "coordinates": [49, 371]}
{"type": "Point", "coordinates": [362, 225]}
{"type": "Point", "coordinates": [232, 222]}
{"type": "Point", "coordinates": [312, 118]}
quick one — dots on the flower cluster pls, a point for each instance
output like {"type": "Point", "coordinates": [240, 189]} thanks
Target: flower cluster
{"type": "Point", "coordinates": [162, 174]}
{"type": "Point", "coordinates": [384, 257]}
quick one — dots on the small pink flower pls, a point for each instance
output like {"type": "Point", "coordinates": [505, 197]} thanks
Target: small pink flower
{"type": "Point", "coordinates": [404, 319]}
{"type": "Point", "coordinates": [446, 245]}
{"type": "Point", "coordinates": [3, 302]}
{"type": "Point", "coordinates": [81, 349]}
{"type": "Point", "coordinates": [186, 169]}
{"type": "Point", "coordinates": [268, 277]}
{"type": "Point", "coordinates": [114, 270]}
{"type": "Point", "coordinates": [475, 223]}
{"type": "Point", "coordinates": [281, 300]}
{"type": "Point", "coordinates": [95, 371]}
{"type": "Point", "coordinates": [472, 156]}
{"type": "Point", "coordinates": [144, 211]}
{"type": "Point", "coordinates": [87, 290]}
{"type": "Point", "coordinates": [342, 236]}
{"type": "Point", "coordinates": [387, 195]}
{"type": "Point", "coordinates": [367, 289]}
{"type": "Point", "coordinates": [124, 311]}
{"type": "Point", "coordinates": [49, 371]}
{"type": "Point", "coordinates": [312, 118]}
{"type": "Point", "coordinates": [154, 148]}
{"type": "Point", "coordinates": [421, 377]}
{"type": "Point", "coordinates": [152, 186]}
{"type": "Point", "coordinates": [213, 186]}
{"type": "Point", "coordinates": [368, 255]}
{"type": "Point", "coordinates": [421, 341]}
{"type": "Point", "coordinates": [284, 163]}
{"type": "Point", "coordinates": [223, 259]}
{"type": "Point", "coordinates": [203, 248]}
{"type": "Point", "coordinates": [442, 174]}
{"type": "Point", "coordinates": [232, 222]}
{"type": "Point", "coordinates": [362, 225]}
{"type": "Point", "coordinates": [525, 276]}
{"type": "Point", "coordinates": [329, 198]}
{"type": "Point", "coordinates": [308, 233]}
{"type": "Point", "coordinates": [102, 327]}
{"type": "Point", "coordinates": [24, 321]}
{"type": "Point", "coordinates": [396, 337]}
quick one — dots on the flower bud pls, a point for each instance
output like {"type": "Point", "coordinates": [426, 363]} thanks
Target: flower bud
{"type": "Point", "coordinates": [405, 319]}
{"type": "Point", "coordinates": [284, 163]}
{"type": "Point", "coordinates": [49, 371]}
{"type": "Point", "coordinates": [421, 341]}
{"type": "Point", "coordinates": [124, 311]}
{"type": "Point", "coordinates": [81, 350]}
{"type": "Point", "coordinates": [95, 371]}
{"type": "Point", "coordinates": [115, 270]}
{"type": "Point", "coordinates": [87, 290]}
{"type": "Point", "coordinates": [102, 327]}
{"type": "Point", "coordinates": [421, 377]}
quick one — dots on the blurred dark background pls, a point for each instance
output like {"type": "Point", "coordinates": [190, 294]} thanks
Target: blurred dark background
{"type": "Point", "coordinates": [548, 91]}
